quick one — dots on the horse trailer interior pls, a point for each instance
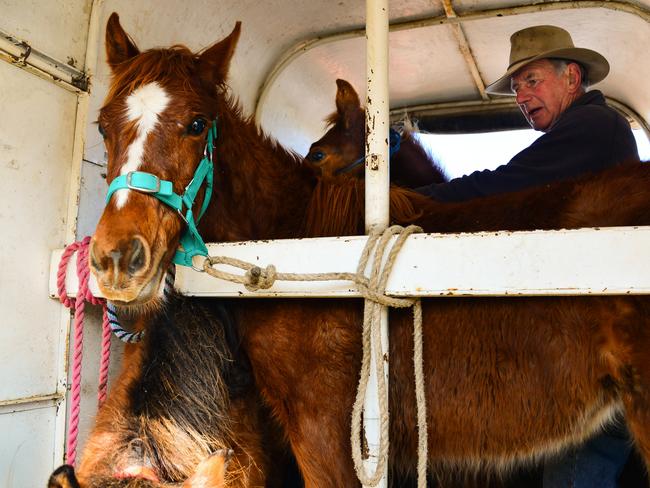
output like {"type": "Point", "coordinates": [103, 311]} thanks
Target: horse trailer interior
{"type": "Point", "coordinates": [442, 54]}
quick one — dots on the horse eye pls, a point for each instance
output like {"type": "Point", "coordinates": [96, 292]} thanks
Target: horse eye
{"type": "Point", "coordinates": [316, 156]}
{"type": "Point", "coordinates": [196, 127]}
{"type": "Point", "coordinates": [101, 130]}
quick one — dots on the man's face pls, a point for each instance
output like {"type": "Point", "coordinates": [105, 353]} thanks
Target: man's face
{"type": "Point", "coordinates": [542, 94]}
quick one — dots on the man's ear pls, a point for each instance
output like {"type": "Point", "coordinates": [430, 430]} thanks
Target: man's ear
{"type": "Point", "coordinates": [348, 105]}
{"type": "Point", "coordinates": [215, 61]}
{"type": "Point", "coordinates": [575, 76]}
{"type": "Point", "coordinates": [119, 46]}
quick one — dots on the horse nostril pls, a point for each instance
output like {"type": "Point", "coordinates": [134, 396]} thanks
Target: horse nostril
{"type": "Point", "coordinates": [138, 256]}
{"type": "Point", "coordinates": [94, 262]}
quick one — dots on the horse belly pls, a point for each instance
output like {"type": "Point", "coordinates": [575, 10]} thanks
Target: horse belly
{"type": "Point", "coordinates": [507, 380]}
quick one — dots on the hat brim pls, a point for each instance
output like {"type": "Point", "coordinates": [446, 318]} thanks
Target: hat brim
{"type": "Point", "coordinates": [595, 63]}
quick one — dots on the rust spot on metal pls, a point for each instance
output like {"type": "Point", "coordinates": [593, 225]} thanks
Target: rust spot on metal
{"type": "Point", "coordinates": [373, 163]}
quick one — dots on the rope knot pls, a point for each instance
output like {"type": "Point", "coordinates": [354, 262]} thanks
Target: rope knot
{"type": "Point", "coordinates": [260, 278]}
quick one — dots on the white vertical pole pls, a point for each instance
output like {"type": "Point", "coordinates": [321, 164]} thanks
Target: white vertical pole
{"type": "Point", "coordinates": [377, 187]}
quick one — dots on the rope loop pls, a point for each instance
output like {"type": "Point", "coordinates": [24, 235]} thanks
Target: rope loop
{"type": "Point", "coordinates": [83, 295]}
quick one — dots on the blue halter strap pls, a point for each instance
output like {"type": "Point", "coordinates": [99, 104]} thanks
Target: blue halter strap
{"type": "Point", "coordinates": [395, 140]}
{"type": "Point", "coordinates": [191, 243]}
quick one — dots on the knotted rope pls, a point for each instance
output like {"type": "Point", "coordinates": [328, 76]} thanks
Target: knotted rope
{"type": "Point", "coordinates": [79, 304]}
{"type": "Point", "coordinates": [373, 289]}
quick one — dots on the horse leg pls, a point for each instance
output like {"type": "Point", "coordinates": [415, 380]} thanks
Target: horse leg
{"type": "Point", "coordinates": [249, 462]}
{"type": "Point", "coordinates": [637, 413]}
{"type": "Point", "coordinates": [321, 445]}
{"type": "Point", "coordinates": [636, 397]}
{"type": "Point", "coordinates": [305, 357]}
{"type": "Point", "coordinates": [625, 349]}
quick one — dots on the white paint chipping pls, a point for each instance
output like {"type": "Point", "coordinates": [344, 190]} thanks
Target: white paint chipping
{"type": "Point", "coordinates": [144, 105]}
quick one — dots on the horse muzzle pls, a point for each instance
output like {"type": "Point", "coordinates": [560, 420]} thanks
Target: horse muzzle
{"type": "Point", "coordinates": [125, 269]}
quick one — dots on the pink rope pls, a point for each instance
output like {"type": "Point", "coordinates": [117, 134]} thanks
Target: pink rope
{"type": "Point", "coordinates": [84, 295]}
{"type": "Point", "coordinates": [105, 359]}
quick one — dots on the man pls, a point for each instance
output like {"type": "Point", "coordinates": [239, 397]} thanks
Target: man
{"type": "Point", "coordinates": [548, 76]}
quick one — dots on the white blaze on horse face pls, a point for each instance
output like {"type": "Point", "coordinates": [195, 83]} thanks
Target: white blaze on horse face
{"type": "Point", "coordinates": [144, 106]}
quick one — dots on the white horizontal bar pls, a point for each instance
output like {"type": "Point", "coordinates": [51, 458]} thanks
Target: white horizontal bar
{"type": "Point", "coordinates": [49, 398]}
{"type": "Point", "coordinates": [21, 54]}
{"type": "Point", "coordinates": [565, 262]}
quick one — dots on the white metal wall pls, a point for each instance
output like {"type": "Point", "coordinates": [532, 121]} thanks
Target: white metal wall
{"type": "Point", "coordinates": [37, 142]}
{"type": "Point", "coordinates": [36, 137]}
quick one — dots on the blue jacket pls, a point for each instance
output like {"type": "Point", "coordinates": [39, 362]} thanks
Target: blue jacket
{"type": "Point", "coordinates": [588, 136]}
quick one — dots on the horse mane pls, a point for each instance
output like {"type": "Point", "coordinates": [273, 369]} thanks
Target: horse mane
{"type": "Point", "coordinates": [337, 207]}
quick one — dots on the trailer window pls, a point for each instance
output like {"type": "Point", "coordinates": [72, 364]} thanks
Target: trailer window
{"type": "Point", "coordinates": [461, 154]}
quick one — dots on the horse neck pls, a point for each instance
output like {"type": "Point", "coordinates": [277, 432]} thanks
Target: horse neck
{"type": "Point", "coordinates": [412, 165]}
{"type": "Point", "coordinates": [261, 190]}
{"type": "Point", "coordinates": [337, 208]}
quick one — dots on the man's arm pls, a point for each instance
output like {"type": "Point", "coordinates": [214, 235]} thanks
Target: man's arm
{"type": "Point", "coordinates": [587, 139]}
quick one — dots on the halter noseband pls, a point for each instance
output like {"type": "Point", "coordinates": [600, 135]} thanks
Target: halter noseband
{"type": "Point", "coordinates": [395, 140]}
{"type": "Point", "coordinates": [191, 243]}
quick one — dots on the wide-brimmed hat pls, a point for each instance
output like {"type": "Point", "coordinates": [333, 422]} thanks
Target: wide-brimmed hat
{"type": "Point", "coordinates": [547, 41]}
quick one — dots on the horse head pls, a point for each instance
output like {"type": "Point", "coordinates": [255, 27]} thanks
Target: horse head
{"type": "Point", "coordinates": [343, 144]}
{"type": "Point", "coordinates": [156, 122]}
{"type": "Point", "coordinates": [210, 473]}
{"type": "Point", "coordinates": [341, 150]}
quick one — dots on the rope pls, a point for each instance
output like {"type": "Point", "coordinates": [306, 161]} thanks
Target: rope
{"type": "Point", "coordinates": [105, 360]}
{"type": "Point", "coordinates": [84, 295]}
{"type": "Point", "coordinates": [121, 333]}
{"type": "Point", "coordinates": [110, 323]}
{"type": "Point", "coordinates": [373, 289]}
{"type": "Point", "coordinates": [132, 337]}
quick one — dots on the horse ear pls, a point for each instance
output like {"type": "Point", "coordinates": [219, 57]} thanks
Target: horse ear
{"type": "Point", "coordinates": [211, 472]}
{"type": "Point", "coordinates": [119, 46]}
{"type": "Point", "coordinates": [215, 61]}
{"type": "Point", "coordinates": [63, 477]}
{"type": "Point", "coordinates": [348, 105]}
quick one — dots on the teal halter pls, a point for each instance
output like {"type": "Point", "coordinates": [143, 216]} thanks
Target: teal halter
{"type": "Point", "coordinates": [191, 243]}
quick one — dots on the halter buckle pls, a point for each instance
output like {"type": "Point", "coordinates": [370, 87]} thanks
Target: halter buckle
{"type": "Point", "coordinates": [155, 188]}
{"type": "Point", "coordinates": [182, 215]}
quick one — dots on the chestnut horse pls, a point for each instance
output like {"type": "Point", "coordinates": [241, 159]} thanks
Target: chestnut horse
{"type": "Point", "coordinates": [508, 381]}
{"type": "Point", "coordinates": [341, 149]}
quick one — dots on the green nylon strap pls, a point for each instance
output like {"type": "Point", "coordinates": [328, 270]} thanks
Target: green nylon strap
{"type": "Point", "coordinates": [191, 242]}
{"type": "Point", "coordinates": [146, 183]}
{"type": "Point", "coordinates": [204, 171]}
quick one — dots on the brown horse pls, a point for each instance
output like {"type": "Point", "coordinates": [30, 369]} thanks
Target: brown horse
{"type": "Point", "coordinates": [184, 398]}
{"type": "Point", "coordinates": [340, 150]}
{"type": "Point", "coordinates": [508, 381]}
